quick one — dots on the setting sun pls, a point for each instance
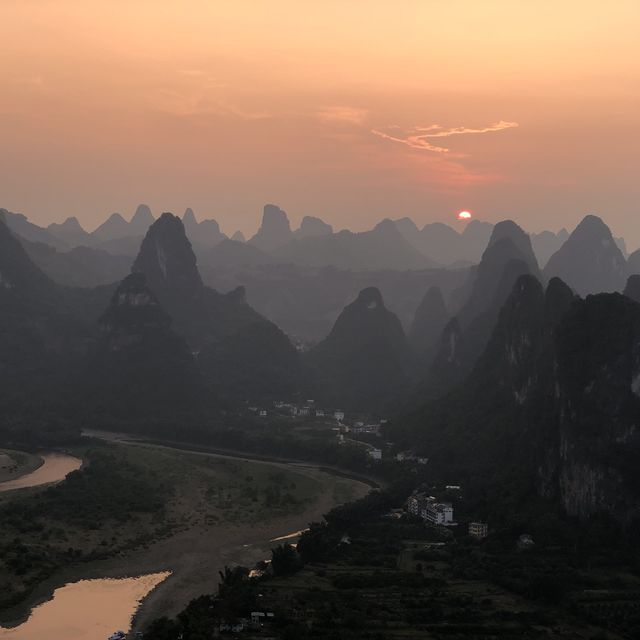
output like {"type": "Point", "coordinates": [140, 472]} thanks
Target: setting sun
{"type": "Point", "coordinates": [464, 215]}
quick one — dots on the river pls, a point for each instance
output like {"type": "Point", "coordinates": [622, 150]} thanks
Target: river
{"type": "Point", "coordinates": [86, 610]}
{"type": "Point", "coordinates": [55, 467]}
{"type": "Point", "coordinates": [191, 559]}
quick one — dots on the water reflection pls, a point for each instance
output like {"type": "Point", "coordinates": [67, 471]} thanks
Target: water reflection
{"type": "Point", "coordinates": [56, 466]}
{"type": "Point", "coordinates": [86, 610]}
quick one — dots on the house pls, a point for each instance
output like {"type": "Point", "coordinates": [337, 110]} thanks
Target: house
{"type": "Point", "coordinates": [319, 413]}
{"type": "Point", "coordinates": [338, 415]}
{"type": "Point", "coordinates": [478, 530]}
{"type": "Point", "coordinates": [437, 512]}
{"type": "Point", "coordinates": [262, 413]}
{"type": "Point", "coordinates": [304, 411]}
{"type": "Point", "coordinates": [375, 454]}
{"type": "Point", "coordinates": [258, 618]}
{"type": "Point", "coordinates": [417, 502]}
{"type": "Point", "coordinates": [360, 427]}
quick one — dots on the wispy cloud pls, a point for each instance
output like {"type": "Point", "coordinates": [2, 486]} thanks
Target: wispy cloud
{"type": "Point", "coordinates": [343, 115]}
{"type": "Point", "coordinates": [418, 137]}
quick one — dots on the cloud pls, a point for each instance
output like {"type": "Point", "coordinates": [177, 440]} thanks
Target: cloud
{"type": "Point", "coordinates": [343, 115]}
{"type": "Point", "coordinates": [419, 137]}
{"type": "Point", "coordinates": [204, 102]}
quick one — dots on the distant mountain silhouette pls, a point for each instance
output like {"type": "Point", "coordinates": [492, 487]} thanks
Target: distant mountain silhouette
{"type": "Point", "coordinates": [589, 261]}
{"type": "Point", "coordinates": [546, 243]}
{"type": "Point", "coordinates": [114, 227]}
{"type": "Point", "coordinates": [508, 244]}
{"type": "Point", "coordinates": [362, 363]}
{"type": "Point", "coordinates": [238, 236]}
{"type": "Point", "coordinates": [204, 234]}
{"type": "Point", "coordinates": [310, 227]}
{"type": "Point", "coordinates": [142, 219]}
{"type": "Point", "coordinates": [70, 232]}
{"type": "Point", "coordinates": [444, 244]}
{"type": "Point", "coordinates": [383, 247]}
{"type": "Point", "coordinates": [274, 231]}
{"type": "Point", "coordinates": [20, 225]}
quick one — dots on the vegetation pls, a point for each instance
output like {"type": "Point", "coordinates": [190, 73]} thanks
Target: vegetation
{"type": "Point", "coordinates": [363, 574]}
{"type": "Point", "coordinates": [126, 497]}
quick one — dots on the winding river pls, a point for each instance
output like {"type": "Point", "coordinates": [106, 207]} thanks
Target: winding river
{"type": "Point", "coordinates": [55, 467]}
{"type": "Point", "coordinates": [93, 609]}
{"type": "Point", "coordinates": [86, 610]}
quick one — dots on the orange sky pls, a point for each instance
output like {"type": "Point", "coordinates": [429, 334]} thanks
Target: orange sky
{"type": "Point", "coordinates": [349, 110]}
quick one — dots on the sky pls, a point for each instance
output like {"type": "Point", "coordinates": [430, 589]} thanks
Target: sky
{"type": "Point", "coordinates": [350, 110]}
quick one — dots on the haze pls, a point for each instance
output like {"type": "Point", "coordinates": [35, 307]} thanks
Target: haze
{"type": "Point", "coordinates": [347, 110]}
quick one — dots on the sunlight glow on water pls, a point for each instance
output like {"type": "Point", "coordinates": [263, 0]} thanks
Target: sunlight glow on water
{"type": "Point", "coordinates": [86, 610]}
{"type": "Point", "coordinates": [56, 466]}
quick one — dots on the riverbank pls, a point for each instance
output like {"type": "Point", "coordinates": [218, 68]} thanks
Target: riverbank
{"type": "Point", "coordinates": [206, 527]}
{"type": "Point", "coordinates": [15, 464]}
{"type": "Point", "coordinates": [54, 467]}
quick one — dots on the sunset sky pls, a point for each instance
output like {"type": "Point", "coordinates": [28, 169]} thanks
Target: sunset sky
{"type": "Point", "coordinates": [348, 110]}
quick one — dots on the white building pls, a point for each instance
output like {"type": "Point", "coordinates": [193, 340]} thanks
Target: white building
{"type": "Point", "coordinates": [360, 427]}
{"type": "Point", "coordinates": [338, 415]}
{"type": "Point", "coordinates": [375, 454]}
{"type": "Point", "coordinates": [263, 413]}
{"type": "Point", "coordinates": [437, 512]}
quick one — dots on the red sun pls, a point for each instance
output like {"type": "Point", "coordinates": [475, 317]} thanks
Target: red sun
{"type": "Point", "coordinates": [464, 215]}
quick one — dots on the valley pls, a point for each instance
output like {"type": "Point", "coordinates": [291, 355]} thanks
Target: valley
{"type": "Point", "coordinates": [187, 513]}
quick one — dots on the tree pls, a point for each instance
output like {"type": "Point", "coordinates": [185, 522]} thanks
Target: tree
{"type": "Point", "coordinates": [285, 560]}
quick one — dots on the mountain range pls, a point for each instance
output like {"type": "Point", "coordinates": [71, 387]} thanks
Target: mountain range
{"type": "Point", "coordinates": [516, 387]}
{"type": "Point", "coordinates": [397, 244]}
{"type": "Point", "coordinates": [549, 410]}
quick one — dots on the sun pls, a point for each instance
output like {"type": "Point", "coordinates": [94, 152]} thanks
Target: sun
{"type": "Point", "coordinates": [464, 215]}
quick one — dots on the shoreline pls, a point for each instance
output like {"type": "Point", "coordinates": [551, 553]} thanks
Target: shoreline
{"type": "Point", "coordinates": [194, 556]}
{"type": "Point", "coordinates": [34, 462]}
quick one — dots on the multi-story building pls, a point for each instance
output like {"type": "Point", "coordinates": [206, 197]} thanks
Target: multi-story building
{"type": "Point", "coordinates": [478, 530]}
{"type": "Point", "coordinates": [437, 512]}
